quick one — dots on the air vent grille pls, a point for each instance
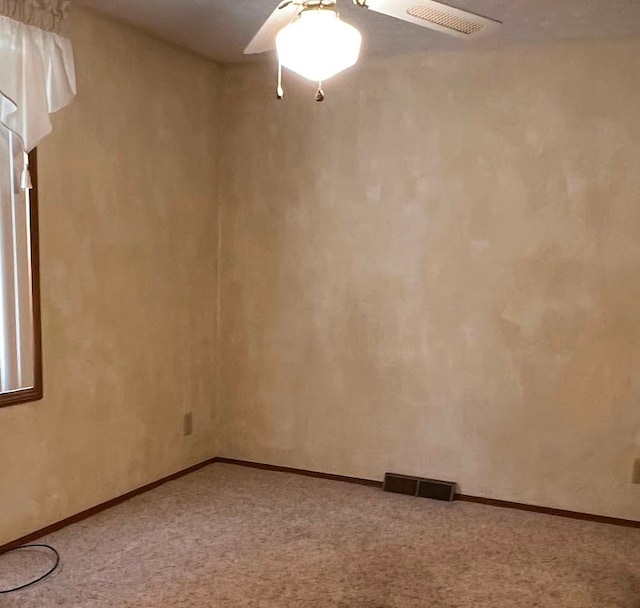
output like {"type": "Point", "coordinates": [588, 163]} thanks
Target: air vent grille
{"type": "Point", "coordinates": [443, 19]}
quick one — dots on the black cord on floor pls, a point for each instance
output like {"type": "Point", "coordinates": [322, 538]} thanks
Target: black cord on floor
{"type": "Point", "coordinates": [40, 578]}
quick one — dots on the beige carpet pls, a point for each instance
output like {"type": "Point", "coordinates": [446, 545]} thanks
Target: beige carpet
{"type": "Point", "coordinates": [232, 536]}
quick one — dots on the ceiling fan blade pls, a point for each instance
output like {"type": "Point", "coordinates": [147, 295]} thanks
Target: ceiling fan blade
{"type": "Point", "coordinates": [434, 15]}
{"type": "Point", "coordinates": [265, 39]}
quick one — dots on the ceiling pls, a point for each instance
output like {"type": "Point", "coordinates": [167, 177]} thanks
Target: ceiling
{"type": "Point", "coordinates": [220, 29]}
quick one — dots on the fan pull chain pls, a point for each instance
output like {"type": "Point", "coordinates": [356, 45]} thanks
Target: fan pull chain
{"type": "Point", "coordinates": [279, 90]}
{"type": "Point", "coordinates": [320, 93]}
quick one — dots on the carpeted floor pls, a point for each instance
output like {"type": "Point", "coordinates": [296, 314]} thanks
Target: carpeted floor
{"type": "Point", "coordinates": [232, 536]}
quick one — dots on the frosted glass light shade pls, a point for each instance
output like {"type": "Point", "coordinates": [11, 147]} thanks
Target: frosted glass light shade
{"type": "Point", "coordinates": [318, 44]}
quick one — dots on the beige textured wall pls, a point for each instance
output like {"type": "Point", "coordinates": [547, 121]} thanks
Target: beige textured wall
{"type": "Point", "coordinates": [128, 248]}
{"type": "Point", "coordinates": [437, 272]}
{"type": "Point", "coordinates": [433, 272]}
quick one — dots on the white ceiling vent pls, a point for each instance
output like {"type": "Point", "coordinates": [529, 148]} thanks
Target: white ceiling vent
{"type": "Point", "coordinates": [436, 16]}
{"type": "Point", "coordinates": [444, 18]}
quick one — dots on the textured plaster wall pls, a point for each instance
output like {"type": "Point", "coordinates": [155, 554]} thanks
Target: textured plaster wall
{"type": "Point", "coordinates": [433, 272]}
{"type": "Point", "coordinates": [437, 272]}
{"type": "Point", "coordinates": [128, 254]}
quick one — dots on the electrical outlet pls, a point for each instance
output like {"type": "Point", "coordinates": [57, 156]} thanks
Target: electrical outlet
{"type": "Point", "coordinates": [188, 424]}
{"type": "Point", "coordinates": [636, 471]}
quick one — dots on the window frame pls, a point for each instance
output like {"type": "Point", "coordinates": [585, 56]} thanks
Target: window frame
{"type": "Point", "coordinates": [35, 393]}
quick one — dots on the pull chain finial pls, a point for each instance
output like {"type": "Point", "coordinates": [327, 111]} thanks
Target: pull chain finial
{"type": "Point", "coordinates": [279, 89]}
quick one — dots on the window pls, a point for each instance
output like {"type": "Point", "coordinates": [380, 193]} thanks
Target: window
{"type": "Point", "coordinates": [20, 341]}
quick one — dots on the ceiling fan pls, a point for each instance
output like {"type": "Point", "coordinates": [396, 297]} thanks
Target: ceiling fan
{"type": "Point", "coordinates": [312, 40]}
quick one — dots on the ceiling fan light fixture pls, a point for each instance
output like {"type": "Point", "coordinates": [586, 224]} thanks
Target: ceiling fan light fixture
{"type": "Point", "coordinates": [318, 44]}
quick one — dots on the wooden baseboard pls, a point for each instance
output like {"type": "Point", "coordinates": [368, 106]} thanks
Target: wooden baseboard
{"type": "Point", "coordinates": [101, 507]}
{"type": "Point", "coordinates": [494, 502]}
{"type": "Point", "coordinates": [629, 523]}
{"type": "Point", "coordinates": [304, 472]}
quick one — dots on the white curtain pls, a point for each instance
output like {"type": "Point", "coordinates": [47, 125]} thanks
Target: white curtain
{"type": "Point", "coordinates": [37, 78]}
{"type": "Point", "coordinates": [17, 353]}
